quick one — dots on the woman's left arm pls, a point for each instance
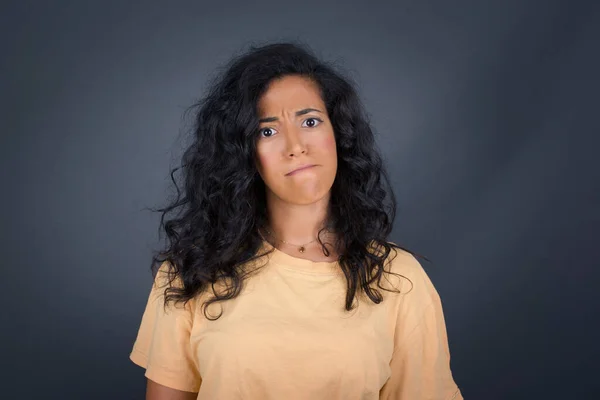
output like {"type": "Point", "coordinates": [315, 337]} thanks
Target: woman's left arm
{"type": "Point", "coordinates": [420, 364]}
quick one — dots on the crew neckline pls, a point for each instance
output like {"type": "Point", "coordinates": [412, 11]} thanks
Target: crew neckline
{"type": "Point", "coordinates": [303, 265]}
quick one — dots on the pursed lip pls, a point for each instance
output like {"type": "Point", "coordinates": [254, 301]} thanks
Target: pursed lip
{"type": "Point", "coordinates": [301, 168]}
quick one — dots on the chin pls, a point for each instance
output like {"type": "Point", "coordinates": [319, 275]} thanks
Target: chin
{"type": "Point", "coordinates": [308, 199]}
{"type": "Point", "coordinates": [291, 195]}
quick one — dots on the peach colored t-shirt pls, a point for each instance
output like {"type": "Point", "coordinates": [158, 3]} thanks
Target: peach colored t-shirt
{"type": "Point", "coordinates": [288, 336]}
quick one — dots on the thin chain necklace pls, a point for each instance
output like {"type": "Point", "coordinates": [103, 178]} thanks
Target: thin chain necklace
{"type": "Point", "coordinates": [301, 247]}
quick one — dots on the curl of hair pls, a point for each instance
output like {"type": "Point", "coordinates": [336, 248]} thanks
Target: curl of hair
{"type": "Point", "coordinates": [220, 210]}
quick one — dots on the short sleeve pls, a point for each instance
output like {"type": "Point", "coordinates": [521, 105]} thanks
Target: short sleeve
{"type": "Point", "coordinates": [420, 365]}
{"type": "Point", "coordinates": [162, 345]}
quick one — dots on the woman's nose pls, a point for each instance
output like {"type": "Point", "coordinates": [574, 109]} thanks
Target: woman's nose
{"type": "Point", "coordinates": [294, 143]}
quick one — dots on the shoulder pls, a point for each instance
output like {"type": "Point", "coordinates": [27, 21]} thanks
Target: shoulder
{"type": "Point", "coordinates": [404, 273]}
{"type": "Point", "coordinates": [167, 275]}
{"type": "Point", "coordinates": [168, 282]}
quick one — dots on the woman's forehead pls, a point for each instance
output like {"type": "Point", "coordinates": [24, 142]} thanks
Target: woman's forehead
{"type": "Point", "coordinates": [290, 93]}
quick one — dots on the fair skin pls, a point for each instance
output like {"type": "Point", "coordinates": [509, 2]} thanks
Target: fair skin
{"type": "Point", "coordinates": [296, 130]}
{"type": "Point", "coordinates": [156, 391]}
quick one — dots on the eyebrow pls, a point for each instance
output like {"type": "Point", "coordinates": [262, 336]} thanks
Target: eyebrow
{"type": "Point", "coordinates": [298, 113]}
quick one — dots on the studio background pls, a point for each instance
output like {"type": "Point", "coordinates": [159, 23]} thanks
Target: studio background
{"type": "Point", "coordinates": [486, 113]}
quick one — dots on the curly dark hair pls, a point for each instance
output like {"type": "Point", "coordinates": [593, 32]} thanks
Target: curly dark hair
{"type": "Point", "coordinates": [221, 208]}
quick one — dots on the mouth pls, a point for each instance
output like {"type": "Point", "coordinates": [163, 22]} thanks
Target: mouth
{"type": "Point", "coordinates": [302, 168]}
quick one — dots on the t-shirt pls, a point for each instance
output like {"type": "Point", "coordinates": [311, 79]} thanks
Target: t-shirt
{"type": "Point", "coordinates": [288, 336]}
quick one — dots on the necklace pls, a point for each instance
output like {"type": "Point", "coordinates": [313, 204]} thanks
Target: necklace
{"type": "Point", "coordinates": [301, 247]}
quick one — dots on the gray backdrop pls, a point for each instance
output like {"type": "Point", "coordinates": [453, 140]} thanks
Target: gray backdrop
{"type": "Point", "coordinates": [487, 114]}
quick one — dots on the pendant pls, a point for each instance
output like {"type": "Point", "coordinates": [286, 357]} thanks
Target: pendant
{"type": "Point", "coordinates": [301, 249]}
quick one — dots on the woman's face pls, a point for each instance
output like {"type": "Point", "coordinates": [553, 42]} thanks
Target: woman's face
{"type": "Point", "coordinates": [295, 131]}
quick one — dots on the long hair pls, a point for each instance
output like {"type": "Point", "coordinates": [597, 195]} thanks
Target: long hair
{"type": "Point", "coordinates": [221, 208]}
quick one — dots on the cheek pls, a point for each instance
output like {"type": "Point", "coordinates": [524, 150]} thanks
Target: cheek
{"type": "Point", "coordinates": [266, 163]}
{"type": "Point", "coordinates": [327, 146]}
{"type": "Point", "coordinates": [329, 143]}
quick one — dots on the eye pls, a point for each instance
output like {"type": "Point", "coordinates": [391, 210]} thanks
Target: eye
{"type": "Point", "coordinates": [266, 132]}
{"type": "Point", "coordinates": [312, 122]}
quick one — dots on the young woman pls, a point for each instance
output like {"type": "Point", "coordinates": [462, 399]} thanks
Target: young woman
{"type": "Point", "coordinates": [279, 281]}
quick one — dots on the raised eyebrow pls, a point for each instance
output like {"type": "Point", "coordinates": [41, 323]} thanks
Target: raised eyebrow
{"type": "Point", "coordinates": [307, 110]}
{"type": "Point", "coordinates": [298, 113]}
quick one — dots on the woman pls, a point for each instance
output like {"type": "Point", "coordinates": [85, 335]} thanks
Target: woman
{"type": "Point", "coordinates": [278, 281]}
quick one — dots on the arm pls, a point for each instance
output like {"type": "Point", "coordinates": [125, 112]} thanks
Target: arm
{"type": "Point", "coordinates": [420, 364]}
{"type": "Point", "coordinates": [162, 346]}
{"type": "Point", "coordinates": [156, 391]}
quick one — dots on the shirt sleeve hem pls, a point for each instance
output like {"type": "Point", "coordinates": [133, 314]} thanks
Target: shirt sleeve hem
{"type": "Point", "coordinates": [141, 359]}
{"type": "Point", "coordinates": [138, 358]}
{"type": "Point", "coordinates": [160, 378]}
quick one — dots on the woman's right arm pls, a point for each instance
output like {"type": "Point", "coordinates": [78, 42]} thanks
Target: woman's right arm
{"type": "Point", "coordinates": [163, 347]}
{"type": "Point", "coordinates": [156, 391]}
